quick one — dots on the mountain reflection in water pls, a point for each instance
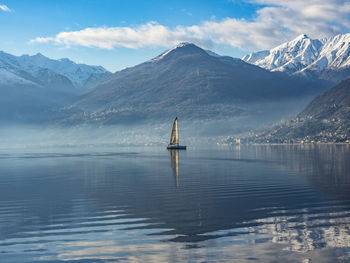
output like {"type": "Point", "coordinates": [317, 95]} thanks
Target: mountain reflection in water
{"type": "Point", "coordinates": [267, 203]}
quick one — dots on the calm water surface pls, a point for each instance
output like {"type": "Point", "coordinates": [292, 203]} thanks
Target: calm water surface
{"type": "Point", "coordinates": [240, 204]}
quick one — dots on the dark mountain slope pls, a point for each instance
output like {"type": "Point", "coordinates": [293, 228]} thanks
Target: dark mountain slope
{"type": "Point", "coordinates": [334, 103]}
{"type": "Point", "coordinates": [325, 119]}
{"type": "Point", "coordinates": [189, 82]}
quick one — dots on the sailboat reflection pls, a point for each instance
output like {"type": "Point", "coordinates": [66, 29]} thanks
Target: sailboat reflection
{"type": "Point", "coordinates": [175, 165]}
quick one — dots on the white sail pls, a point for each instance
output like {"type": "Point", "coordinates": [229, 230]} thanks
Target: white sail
{"type": "Point", "coordinates": [174, 139]}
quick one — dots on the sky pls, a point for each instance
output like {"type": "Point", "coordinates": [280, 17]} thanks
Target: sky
{"type": "Point", "coordinates": [122, 33]}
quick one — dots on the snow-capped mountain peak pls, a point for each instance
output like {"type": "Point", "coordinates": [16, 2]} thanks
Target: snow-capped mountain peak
{"type": "Point", "coordinates": [290, 56]}
{"type": "Point", "coordinates": [304, 54]}
{"type": "Point", "coordinates": [179, 46]}
{"type": "Point", "coordinates": [182, 44]}
{"type": "Point", "coordinates": [302, 36]}
{"type": "Point", "coordinates": [40, 69]}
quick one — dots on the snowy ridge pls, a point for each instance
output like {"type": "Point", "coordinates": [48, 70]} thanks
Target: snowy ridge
{"type": "Point", "coordinates": [164, 54]}
{"type": "Point", "coordinates": [181, 45]}
{"type": "Point", "coordinates": [305, 54]}
{"type": "Point", "coordinates": [77, 73]}
{"type": "Point", "coordinates": [42, 71]}
{"type": "Point", "coordinates": [212, 53]}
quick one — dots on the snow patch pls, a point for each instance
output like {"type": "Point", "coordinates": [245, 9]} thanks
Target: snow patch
{"type": "Point", "coordinates": [164, 54]}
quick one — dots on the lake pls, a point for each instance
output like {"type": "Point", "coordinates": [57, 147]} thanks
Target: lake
{"type": "Point", "coordinates": [228, 204]}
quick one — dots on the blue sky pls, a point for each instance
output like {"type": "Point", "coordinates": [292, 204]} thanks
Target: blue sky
{"type": "Point", "coordinates": [120, 33]}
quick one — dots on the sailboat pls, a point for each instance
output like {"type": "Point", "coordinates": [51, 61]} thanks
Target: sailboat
{"type": "Point", "coordinates": [174, 139]}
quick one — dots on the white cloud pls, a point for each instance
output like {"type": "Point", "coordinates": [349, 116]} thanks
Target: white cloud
{"type": "Point", "coordinates": [276, 21]}
{"type": "Point", "coordinates": [147, 35]}
{"type": "Point", "coordinates": [5, 8]}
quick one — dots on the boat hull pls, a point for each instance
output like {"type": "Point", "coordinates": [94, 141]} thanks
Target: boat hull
{"type": "Point", "coordinates": [176, 147]}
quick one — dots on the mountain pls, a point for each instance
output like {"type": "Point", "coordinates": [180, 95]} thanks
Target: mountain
{"type": "Point", "coordinates": [327, 58]}
{"type": "Point", "coordinates": [31, 86]}
{"type": "Point", "coordinates": [82, 76]}
{"type": "Point", "coordinates": [44, 71]}
{"type": "Point", "coordinates": [325, 119]}
{"type": "Point", "coordinates": [190, 82]}
{"type": "Point", "coordinates": [332, 104]}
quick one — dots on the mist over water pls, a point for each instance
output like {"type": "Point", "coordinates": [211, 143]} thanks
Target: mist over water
{"type": "Point", "coordinates": [193, 131]}
{"type": "Point", "coordinates": [36, 136]}
{"type": "Point", "coordinates": [132, 204]}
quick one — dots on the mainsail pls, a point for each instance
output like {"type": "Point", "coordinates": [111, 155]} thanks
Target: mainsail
{"type": "Point", "coordinates": [174, 139]}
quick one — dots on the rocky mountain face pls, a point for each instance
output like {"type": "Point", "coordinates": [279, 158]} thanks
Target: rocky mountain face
{"type": "Point", "coordinates": [327, 58]}
{"type": "Point", "coordinates": [190, 82]}
{"type": "Point", "coordinates": [325, 119]}
{"type": "Point", "coordinates": [31, 86]}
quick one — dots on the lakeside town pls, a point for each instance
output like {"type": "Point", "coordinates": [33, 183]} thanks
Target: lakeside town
{"type": "Point", "coordinates": [301, 130]}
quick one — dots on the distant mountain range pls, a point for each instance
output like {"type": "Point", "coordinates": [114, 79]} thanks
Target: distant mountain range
{"type": "Point", "coordinates": [32, 85]}
{"type": "Point", "coordinates": [327, 58]}
{"type": "Point", "coordinates": [194, 84]}
{"type": "Point", "coordinates": [39, 70]}
{"type": "Point", "coordinates": [185, 81]}
{"type": "Point", "coordinates": [325, 119]}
